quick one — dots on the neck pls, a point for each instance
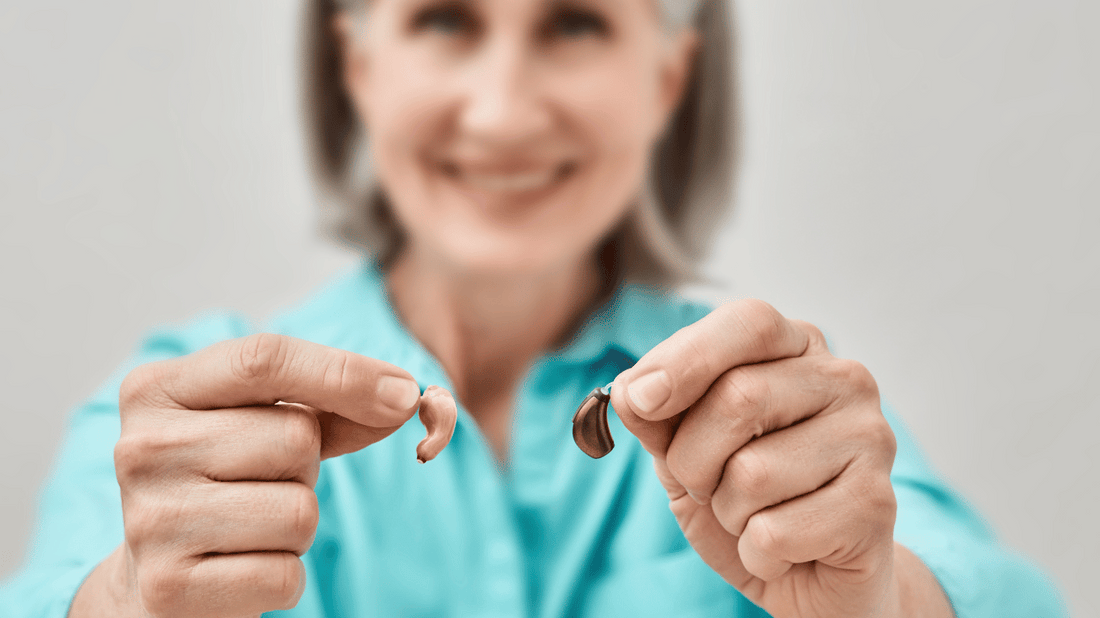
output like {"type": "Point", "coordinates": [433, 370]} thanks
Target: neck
{"type": "Point", "coordinates": [487, 327]}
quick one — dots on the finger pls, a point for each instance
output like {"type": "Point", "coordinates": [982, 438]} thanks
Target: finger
{"type": "Point", "coordinates": [749, 401]}
{"type": "Point", "coordinates": [654, 436]}
{"type": "Point", "coordinates": [225, 586]}
{"type": "Point", "coordinates": [213, 517]}
{"type": "Point", "coordinates": [340, 436]}
{"type": "Point", "coordinates": [702, 529]}
{"type": "Point", "coordinates": [817, 342]}
{"type": "Point", "coordinates": [671, 376]}
{"type": "Point", "coordinates": [839, 525]}
{"type": "Point", "coordinates": [267, 443]}
{"type": "Point", "coordinates": [307, 436]}
{"type": "Point", "coordinates": [264, 369]}
{"type": "Point", "coordinates": [781, 466]}
{"type": "Point", "coordinates": [245, 516]}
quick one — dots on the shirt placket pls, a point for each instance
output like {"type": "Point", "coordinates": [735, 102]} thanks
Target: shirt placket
{"type": "Point", "coordinates": [502, 581]}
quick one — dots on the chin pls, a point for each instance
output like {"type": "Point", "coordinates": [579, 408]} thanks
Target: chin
{"type": "Point", "coordinates": [514, 255]}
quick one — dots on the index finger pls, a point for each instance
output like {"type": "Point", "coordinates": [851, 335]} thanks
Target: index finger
{"type": "Point", "coordinates": [677, 372]}
{"type": "Point", "coordinates": [263, 369]}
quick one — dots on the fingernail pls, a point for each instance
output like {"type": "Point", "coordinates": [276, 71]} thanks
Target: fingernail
{"type": "Point", "coordinates": [398, 393]}
{"type": "Point", "coordinates": [650, 391]}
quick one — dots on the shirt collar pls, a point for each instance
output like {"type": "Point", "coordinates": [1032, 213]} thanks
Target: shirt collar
{"type": "Point", "coordinates": [633, 321]}
{"type": "Point", "coordinates": [355, 313]}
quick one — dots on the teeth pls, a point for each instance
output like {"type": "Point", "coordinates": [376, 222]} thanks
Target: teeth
{"type": "Point", "coordinates": [510, 182]}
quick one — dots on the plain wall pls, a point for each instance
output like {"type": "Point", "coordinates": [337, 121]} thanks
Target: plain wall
{"type": "Point", "coordinates": [920, 181]}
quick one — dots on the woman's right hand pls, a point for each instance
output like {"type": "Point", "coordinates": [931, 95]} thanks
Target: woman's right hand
{"type": "Point", "coordinates": [217, 473]}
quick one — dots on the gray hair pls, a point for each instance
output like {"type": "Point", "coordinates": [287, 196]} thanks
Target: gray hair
{"type": "Point", "coordinates": [686, 193]}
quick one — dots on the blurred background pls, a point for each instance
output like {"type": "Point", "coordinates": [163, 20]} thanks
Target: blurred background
{"type": "Point", "coordinates": [920, 180]}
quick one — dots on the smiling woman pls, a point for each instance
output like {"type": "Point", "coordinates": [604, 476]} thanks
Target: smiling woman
{"type": "Point", "coordinates": [515, 171]}
{"type": "Point", "coordinates": [578, 81]}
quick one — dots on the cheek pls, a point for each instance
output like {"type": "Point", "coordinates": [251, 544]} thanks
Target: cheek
{"type": "Point", "coordinates": [615, 113]}
{"type": "Point", "coordinates": [407, 111]}
{"type": "Point", "coordinates": [407, 99]}
{"type": "Point", "coordinates": [618, 96]}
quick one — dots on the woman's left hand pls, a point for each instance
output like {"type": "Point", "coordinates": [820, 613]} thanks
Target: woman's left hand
{"type": "Point", "coordinates": [776, 458]}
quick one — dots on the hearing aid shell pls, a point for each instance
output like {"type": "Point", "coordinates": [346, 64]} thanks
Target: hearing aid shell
{"type": "Point", "coordinates": [590, 429]}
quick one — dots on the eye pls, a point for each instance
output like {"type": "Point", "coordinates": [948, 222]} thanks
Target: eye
{"type": "Point", "coordinates": [571, 22]}
{"type": "Point", "coordinates": [450, 18]}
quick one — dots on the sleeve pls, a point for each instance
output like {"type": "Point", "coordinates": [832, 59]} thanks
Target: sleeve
{"type": "Point", "coordinates": [79, 518]}
{"type": "Point", "coordinates": [981, 578]}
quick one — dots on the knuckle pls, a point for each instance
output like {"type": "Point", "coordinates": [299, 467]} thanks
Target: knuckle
{"type": "Point", "coordinates": [138, 524]}
{"type": "Point", "coordinates": [259, 357]}
{"type": "Point", "coordinates": [744, 394]}
{"type": "Point", "coordinates": [748, 472]}
{"type": "Point", "coordinates": [888, 505]}
{"type": "Point", "coordinates": [813, 332]}
{"type": "Point", "coordinates": [881, 496]}
{"type": "Point", "coordinates": [855, 374]}
{"type": "Point", "coordinates": [149, 521]}
{"type": "Point", "coordinates": [137, 385]}
{"type": "Point", "coordinates": [888, 508]}
{"type": "Point", "coordinates": [684, 468]}
{"type": "Point", "coordinates": [761, 319]}
{"type": "Point", "coordinates": [891, 444]}
{"type": "Point", "coordinates": [875, 502]}
{"type": "Point", "coordinates": [301, 434]}
{"type": "Point", "coordinates": [882, 437]}
{"type": "Point", "coordinates": [336, 378]}
{"type": "Point", "coordinates": [163, 588]}
{"type": "Point", "coordinates": [144, 449]}
{"type": "Point", "coordinates": [875, 435]}
{"type": "Point", "coordinates": [762, 531]}
{"type": "Point", "coordinates": [135, 456]}
{"type": "Point", "coordinates": [726, 509]}
{"type": "Point", "coordinates": [698, 358]}
{"type": "Point", "coordinates": [878, 507]}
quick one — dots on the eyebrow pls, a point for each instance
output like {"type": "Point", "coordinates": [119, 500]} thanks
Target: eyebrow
{"type": "Point", "coordinates": [655, 5]}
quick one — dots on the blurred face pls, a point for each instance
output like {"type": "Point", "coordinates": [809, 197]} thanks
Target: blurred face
{"type": "Point", "coordinates": [511, 136]}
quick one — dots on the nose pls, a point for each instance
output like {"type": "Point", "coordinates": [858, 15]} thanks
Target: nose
{"type": "Point", "coordinates": [504, 103]}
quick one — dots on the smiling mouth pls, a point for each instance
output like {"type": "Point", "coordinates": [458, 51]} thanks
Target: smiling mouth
{"type": "Point", "coordinates": [508, 182]}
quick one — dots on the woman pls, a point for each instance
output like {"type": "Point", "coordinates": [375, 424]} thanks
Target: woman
{"type": "Point", "coordinates": [534, 162]}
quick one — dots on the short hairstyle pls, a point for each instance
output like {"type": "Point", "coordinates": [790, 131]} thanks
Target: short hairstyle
{"type": "Point", "coordinates": [687, 192]}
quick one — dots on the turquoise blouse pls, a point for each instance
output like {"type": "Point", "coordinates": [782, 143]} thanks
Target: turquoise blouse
{"type": "Point", "coordinates": [555, 533]}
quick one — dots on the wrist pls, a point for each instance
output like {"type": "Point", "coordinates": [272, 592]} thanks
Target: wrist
{"type": "Point", "coordinates": [107, 590]}
{"type": "Point", "coordinates": [914, 592]}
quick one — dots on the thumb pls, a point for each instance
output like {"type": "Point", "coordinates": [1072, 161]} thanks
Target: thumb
{"type": "Point", "coordinates": [655, 436]}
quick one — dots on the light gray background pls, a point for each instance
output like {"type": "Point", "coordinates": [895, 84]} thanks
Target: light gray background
{"type": "Point", "coordinates": [920, 181]}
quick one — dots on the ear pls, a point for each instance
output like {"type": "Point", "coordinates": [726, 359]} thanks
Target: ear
{"type": "Point", "coordinates": [683, 48]}
{"type": "Point", "coordinates": [346, 30]}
